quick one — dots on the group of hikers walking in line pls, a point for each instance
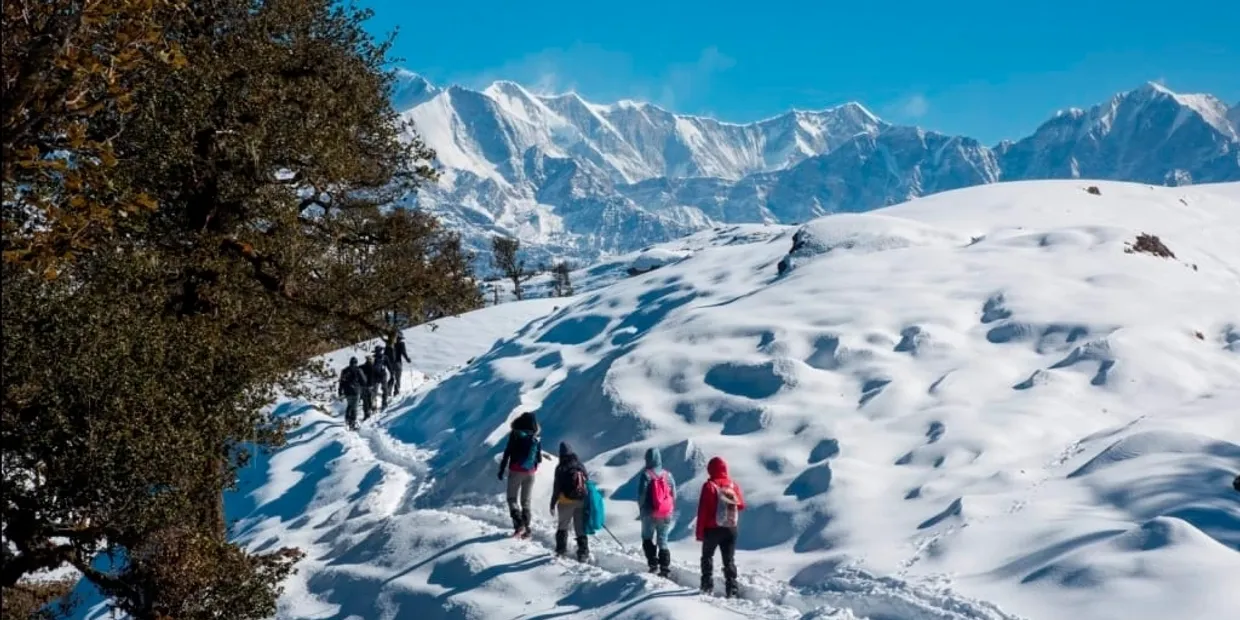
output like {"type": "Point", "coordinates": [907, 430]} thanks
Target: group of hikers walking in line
{"type": "Point", "coordinates": [377, 377]}
{"type": "Point", "coordinates": [574, 499]}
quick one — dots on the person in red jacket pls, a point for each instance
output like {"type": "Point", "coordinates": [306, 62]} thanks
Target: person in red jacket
{"type": "Point", "coordinates": [718, 516]}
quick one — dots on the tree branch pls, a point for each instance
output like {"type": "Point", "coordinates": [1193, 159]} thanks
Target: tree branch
{"type": "Point", "coordinates": [283, 289]}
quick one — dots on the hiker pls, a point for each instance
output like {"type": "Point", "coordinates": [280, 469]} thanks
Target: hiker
{"type": "Point", "coordinates": [522, 453]}
{"type": "Point", "coordinates": [382, 376]}
{"type": "Point", "coordinates": [397, 356]}
{"type": "Point", "coordinates": [656, 493]}
{"type": "Point", "coordinates": [569, 497]}
{"type": "Point", "coordinates": [352, 384]}
{"type": "Point", "coordinates": [368, 392]}
{"type": "Point", "coordinates": [718, 515]}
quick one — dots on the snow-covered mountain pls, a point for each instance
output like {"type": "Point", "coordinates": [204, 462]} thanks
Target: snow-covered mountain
{"type": "Point", "coordinates": [579, 179]}
{"type": "Point", "coordinates": [1150, 135]}
{"type": "Point", "coordinates": [981, 405]}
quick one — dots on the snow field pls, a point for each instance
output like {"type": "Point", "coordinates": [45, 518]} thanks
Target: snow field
{"type": "Point", "coordinates": [977, 396]}
{"type": "Point", "coordinates": [917, 371]}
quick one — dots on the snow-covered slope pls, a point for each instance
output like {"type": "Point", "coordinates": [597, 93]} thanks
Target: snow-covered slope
{"type": "Point", "coordinates": [583, 180]}
{"type": "Point", "coordinates": [980, 395]}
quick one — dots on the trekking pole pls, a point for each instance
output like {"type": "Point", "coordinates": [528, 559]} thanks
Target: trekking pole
{"type": "Point", "coordinates": [613, 537]}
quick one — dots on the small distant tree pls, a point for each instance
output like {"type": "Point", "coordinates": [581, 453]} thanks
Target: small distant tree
{"type": "Point", "coordinates": [561, 279]}
{"type": "Point", "coordinates": [504, 256]}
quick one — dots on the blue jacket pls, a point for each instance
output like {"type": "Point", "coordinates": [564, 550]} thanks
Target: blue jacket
{"type": "Point", "coordinates": [654, 465]}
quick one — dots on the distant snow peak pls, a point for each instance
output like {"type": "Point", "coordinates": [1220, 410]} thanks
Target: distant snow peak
{"type": "Point", "coordinates": [581, 180]}
{"type": "Point", "coordinates": [410, 89]}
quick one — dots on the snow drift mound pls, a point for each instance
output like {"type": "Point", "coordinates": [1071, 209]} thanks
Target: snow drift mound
{"type": "Point", "coordinates": [913, 395]}
{"type": "Point", "coordinates": [862, 232]}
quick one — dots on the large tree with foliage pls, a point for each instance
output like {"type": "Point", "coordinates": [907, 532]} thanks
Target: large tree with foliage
{"type": "Point", "coordinates": [175, 253]}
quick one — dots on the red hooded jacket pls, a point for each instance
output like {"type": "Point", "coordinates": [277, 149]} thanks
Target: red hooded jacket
{"type": "Point", "coordinates": [708, 503]}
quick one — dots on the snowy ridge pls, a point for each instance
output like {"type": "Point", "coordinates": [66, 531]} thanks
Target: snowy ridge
{"type": "Point", "coordinates": [979, 405]}
{"type": "Point", "coordinates": [583, 180]}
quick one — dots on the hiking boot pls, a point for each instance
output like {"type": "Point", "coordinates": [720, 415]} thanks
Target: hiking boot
{"type": "Point", "coordinates": [583, 548]}
{"type": "Point", "coordinates": [518, 524]}
{"type": "Point", "coordinates": [708, 587]}
{"type": "Point", "coordinates": [650, 550]}
{"type": "Point", "coordinates": [561, 543]}
{"type": "Point", "coordinates": [732, 590]}
{"type": "Point", "coordinates": [665, 563]}
{"type": "Point", "coordinates": [526, 533]}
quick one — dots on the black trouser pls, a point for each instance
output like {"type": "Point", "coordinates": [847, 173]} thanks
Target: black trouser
{"type": "Point", "coordinates": [395, 379]}
{"type": "Point", "coordinates": [350, 410]}
{"type": "Point", "coordinates": [724, 539]}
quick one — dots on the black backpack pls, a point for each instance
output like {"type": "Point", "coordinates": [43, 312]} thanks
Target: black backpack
{"type": "Point", "coordinates": [351, 381]}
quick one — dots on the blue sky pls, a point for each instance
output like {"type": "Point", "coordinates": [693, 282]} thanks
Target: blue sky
{"type": "Point", "coordinates": [991, 70]}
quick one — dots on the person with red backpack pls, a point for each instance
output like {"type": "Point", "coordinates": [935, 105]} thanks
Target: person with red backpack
{"type": "Point", "coordinates": [656, 497]}
{"type": "Point", "coordinates": [569, 497]}
{"type": "Point", "coordinates": [522, 454]}
{"type": "Point", "coordinates": [718, 516]}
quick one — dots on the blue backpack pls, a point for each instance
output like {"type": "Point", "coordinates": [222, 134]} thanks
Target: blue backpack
{"type": "Point", "coordinates": [596, 518]}
{"type": "Point", "coordinates": [533, 452]}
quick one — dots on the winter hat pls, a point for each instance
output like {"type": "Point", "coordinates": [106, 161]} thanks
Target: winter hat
{"type": "Point", "coordinates": [353, 361]}
{"type": "Point", "coordinates": [717, 468]}
{"type": "Point", "coordinates": [566, 451]}
{"type": "Point", "coordinates": [654, 460]}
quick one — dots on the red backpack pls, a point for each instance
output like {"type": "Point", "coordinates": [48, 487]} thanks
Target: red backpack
{"type": "Point", "coordinates": [660, 496]}
{"type": "Point", "coordinates": [726, 513]}
{"type": "Point", "coordinates": [576, 488]}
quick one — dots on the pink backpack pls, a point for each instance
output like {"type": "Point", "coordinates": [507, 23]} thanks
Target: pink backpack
{"type": "Point", "coordinates": [661, 500]}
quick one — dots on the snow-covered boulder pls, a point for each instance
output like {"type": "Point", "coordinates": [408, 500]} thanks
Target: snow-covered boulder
{"type": "Point", "coordinates": [654, 258]}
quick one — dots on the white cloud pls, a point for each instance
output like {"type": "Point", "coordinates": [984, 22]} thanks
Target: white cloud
{"type": "Point", "coordinates": [605, 75]}
{"type": "Point", "coordinates": [915, 106]}
{"type": "Point", "coordinates": [684, 81]}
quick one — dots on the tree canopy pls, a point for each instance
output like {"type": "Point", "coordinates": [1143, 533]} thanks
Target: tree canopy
{"type": "Point", "coordinates": [197, 201]}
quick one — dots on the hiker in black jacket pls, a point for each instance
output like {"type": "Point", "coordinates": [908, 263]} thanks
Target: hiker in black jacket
{"type": "Point", "coordinates": [522, 454]}
{"type": "Point", "coordinates": [352, 386]}
{"type": "Point", "coordinates": [397, 356]}
{"type": "Point", "coordinates": [383, 376]}
{"type": "Point", "coordinates": [368, 391]}
{"type": "Point", "coordinates": [569, 497]}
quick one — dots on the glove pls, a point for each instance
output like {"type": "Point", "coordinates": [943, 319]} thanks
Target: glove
{"type": "Point", "coordinates": [501, 474]}
{"type": "Point", "coordinates": [552, 507]}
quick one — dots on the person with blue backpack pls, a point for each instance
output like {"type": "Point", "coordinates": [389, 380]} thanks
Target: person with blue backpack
{"type": "Point", "coordinates": [656, 493]}
{"type": "Point", "coordinates": [571, 497]}
{"type": "Point", "coordinates": [522, 453]}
